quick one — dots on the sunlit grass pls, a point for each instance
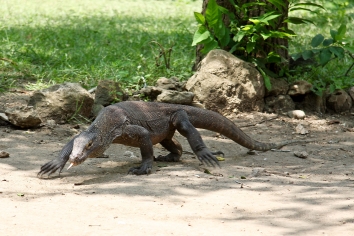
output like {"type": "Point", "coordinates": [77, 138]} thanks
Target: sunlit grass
{"type": "Point", "coordinates": [87, 40]}
{"type": "Point", "coordinates": [48, 42]}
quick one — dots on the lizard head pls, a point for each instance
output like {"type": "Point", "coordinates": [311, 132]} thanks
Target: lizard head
{"type": "Point", "coordinates": [97, 138]}
{"type": "Point", "coordinates": [86, 145]}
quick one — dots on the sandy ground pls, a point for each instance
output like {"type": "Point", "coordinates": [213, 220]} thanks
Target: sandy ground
{"type": "Point", "coordinates": [270, 193]}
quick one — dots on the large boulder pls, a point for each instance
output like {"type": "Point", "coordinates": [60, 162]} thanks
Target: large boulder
{"type": "Point", "coordinates": [278, 104]}
{"type": "Point", "coordinates": [61, 102]}
{"type": "Point", "coordinates": [339, 101]}
{"type": "Point", "coordinates": [24, 117]}
{"type": "Point", "coordinates": [313, 102]}
{"type": "Point", "coordinates": [351, 93]}
{"type": "Point", "coordinates": [279, 87]}
{"type": "Point", "coordinates": [225, 83]}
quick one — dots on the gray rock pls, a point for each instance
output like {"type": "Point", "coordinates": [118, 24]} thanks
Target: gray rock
{"type": "Point", "coordinates": [300, 87]}
{"type": "Point", "coordinates": [4, 154]}
{"type": "Point", "coordinates": [313, 102]}
{"type": "Point", "coordinates": [170, 84]}
{"type": "Point", "coordinates": [197, 104]}
{"type": "Point", "coordinates": [164, 83]}
{"type": "Point", "coordinates": [339, 101]}
{"type": "Point", "coordinates": [51, 123]}
{"type": "Point", "coordinates": [4, 117]}
{"type": "Point", "coordinates": [281, 103]}
{"type": "Point", "coordinates": [108, 92]}
{"type": "Point", "coordinates": [300, 129]}
{"type": "Point", "coordinates": [279, 87]}
{"type": "Point", "coordinates": [151, 92]}
{"type": "Point", "coordinates": [225, 83]}
{"type": "Point", "coordinates": [96, 109]}
{"type": "Point", "coordinates": [171, 96]}
{"type": "Point", "coordinates": [61, 102]}
{"type": "Point", "coordinates": [297, 114]}
{"type": "Point", "coordinates": [22, 118]}
{"type": "Point", "coordinates": [302, 154]}
{"type": "Point", "coordinates": [351, 93]}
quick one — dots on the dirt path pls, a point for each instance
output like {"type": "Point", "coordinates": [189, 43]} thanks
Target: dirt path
{"type": "Point", "coordinates": [280, 195]}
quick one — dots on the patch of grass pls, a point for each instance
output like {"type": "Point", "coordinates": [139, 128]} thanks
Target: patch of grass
{"type": "Point", "coordinates": [86, 41]}
{"type": "Point", "coordinates": [48, 42]}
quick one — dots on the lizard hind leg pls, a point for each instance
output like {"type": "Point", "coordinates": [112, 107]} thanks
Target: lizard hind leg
{"type": "Point", "coordinates": [175, 149]}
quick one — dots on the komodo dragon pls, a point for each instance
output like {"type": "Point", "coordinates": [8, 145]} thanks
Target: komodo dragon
{"type": "Point", "coordinates": [143, 124]}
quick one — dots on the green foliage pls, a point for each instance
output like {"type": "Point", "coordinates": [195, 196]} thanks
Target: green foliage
{"type": "Point", "coordinates": [337, 12]}
{"type": "Point", "coordinates": [323, 50]}
{"type": "Point", "coordinates": [211, 32]}
{"type": "Point", "coordinates": [247, 36]}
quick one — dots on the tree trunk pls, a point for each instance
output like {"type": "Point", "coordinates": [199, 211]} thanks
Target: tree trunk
{"type": "Point", "coordinates": [271, 41]}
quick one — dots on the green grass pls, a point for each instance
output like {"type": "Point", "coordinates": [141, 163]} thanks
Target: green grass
{"type": "Point", "coordinates": [48, 42]}
{"type": "Point", "coordinates": [85, 41]}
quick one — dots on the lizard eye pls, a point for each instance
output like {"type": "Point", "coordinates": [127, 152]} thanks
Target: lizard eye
{"type": "Point", "coordinates": [89, 144]}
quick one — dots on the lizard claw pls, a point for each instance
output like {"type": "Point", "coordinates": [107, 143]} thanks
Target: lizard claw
{"type": "Point", "coordinates": [207, 157]}
{"type": "Point", "coordinates": [51, 167]}
{"type": "Point", "coordinates": [145, 168]}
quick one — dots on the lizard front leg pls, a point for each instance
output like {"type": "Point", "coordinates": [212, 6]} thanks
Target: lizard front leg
{"type": "Point", "coordinates": [59, 162]}
{"type": "Point", "coordinates": [139, 136]}
{"type": "Point", "coordinates": [181, 122]}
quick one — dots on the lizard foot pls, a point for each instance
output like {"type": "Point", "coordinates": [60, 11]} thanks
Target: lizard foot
{"type": "Point", "coordinates": [145, 168]}
{"type": "Point", "coordinates": [51, 167]}
{"type": "Point", "coordinates": [207, 157]}
{"type": "Point", "coordinates": [172, 157]}
{"type": "Point", "coordinates": [218, 153]}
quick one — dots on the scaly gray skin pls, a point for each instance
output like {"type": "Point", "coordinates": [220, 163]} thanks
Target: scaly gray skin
{"type": "Point", "coordinates": [143, 124]}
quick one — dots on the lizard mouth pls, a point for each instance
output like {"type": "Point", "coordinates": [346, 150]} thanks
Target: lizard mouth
{"type": "Point", "coordinates": [75, 163]}
{"type": "Point", "coordinates": [71, 164]}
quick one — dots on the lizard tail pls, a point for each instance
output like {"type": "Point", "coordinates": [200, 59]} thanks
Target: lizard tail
{"type": "Point", "coordinates": [213, 121]}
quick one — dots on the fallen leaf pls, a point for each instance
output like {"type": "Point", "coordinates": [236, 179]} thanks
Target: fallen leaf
{"type": "Point", "coordinates": [206, 171]}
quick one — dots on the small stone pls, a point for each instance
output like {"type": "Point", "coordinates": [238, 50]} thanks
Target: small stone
{"type": "Point", "coordinates": [168, 84]}
{"type": "Point", "coordinates": [129, 154]}
{"type": "Point", "coordinates": [297, 114]}
{"type": "Point", "coordinates": [299, 88]}
{"type": "Point", "coordinates": [51, 123]}
{"type": "Point", "coordinates": [4, 117]}
{"type": "Point", "coordinates": [4, 154]}
{"type": "Point", "coordinates": [301, 129]}
{"type": "Point", "coordinates": [108, 92]}
{"type": "Point", "coordinates": [302, 154]}
{"type": "Point", "coordinates": [256, 172]}
{"type": "Point", "coordinates": [171, 96]}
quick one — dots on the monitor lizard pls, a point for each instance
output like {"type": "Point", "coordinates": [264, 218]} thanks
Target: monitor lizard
{"type": "Point", "coordinates": [144, 124]}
